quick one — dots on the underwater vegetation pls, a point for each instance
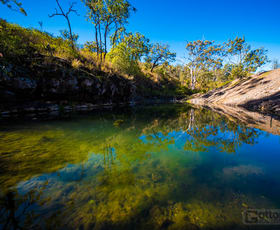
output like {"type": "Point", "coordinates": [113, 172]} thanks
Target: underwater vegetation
{"type": "Point", "coordinates": [159, 167]}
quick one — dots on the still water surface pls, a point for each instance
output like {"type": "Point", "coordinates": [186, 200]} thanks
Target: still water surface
{"type": "Point", "coordinates": [154, 167]}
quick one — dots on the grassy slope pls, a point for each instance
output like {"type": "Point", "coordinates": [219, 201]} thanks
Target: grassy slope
{"type": "Point", "coordinates": [40, 57]}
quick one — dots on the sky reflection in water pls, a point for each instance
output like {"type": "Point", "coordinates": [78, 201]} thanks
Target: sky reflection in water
{"type": "Point", "coordinates": [161, 167]}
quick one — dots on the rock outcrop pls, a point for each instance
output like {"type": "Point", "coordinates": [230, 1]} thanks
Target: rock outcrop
{"type": "Point", "coordinates": [59, 81]}
{"type": "Point", "coordinates": [258, 93]}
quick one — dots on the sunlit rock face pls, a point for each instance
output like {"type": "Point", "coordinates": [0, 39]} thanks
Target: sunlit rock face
{"type": "Point", "coordinates": [257, 93]}
{"type": "Point", "coordinates": [156, 167]}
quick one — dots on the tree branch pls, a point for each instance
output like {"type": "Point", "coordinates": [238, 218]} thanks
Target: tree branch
{"type": "Point", "coordinates": [72, 10]}
{"type": "Point", "coordinates": [66, 16]}
{"type": "Point", "coordinates": [55, 14]}
{"type": "Point", "coordinates": [60, 7]}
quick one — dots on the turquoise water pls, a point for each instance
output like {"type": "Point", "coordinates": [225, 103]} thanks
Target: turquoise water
{"type": "Point", "coordinates": [153, 167]}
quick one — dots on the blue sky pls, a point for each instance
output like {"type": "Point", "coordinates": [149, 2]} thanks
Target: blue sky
{"type": "Point", "coordinates": [173, 21]}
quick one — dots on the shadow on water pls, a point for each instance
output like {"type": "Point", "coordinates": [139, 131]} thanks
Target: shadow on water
{"type": "Point", "coordinates": [162, 167]}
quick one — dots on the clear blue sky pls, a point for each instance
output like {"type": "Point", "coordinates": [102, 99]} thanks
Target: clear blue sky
{"type": "Point", "coordinates": [173, 21]}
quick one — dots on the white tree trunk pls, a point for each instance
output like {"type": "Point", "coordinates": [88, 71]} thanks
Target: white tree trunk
{"type": "Point", "coordinates": [193, 79]}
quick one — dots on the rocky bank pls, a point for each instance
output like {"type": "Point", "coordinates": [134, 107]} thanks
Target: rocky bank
{"type": "Point", "coordinates": [52, 84]}
{"type": "Point", "coordinates": [258, 93]}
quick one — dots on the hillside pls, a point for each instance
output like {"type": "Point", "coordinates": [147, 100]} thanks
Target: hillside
{"type": "Point", "coordinates": [259, 93]}
{"type": "Point", "coordinates": [40, 71]}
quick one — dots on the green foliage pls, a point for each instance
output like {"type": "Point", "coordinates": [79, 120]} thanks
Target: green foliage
{"type": "Point", "coordinates": [118, 36]}
{"type": "Point", "coordinates": [255, 59]}
{"type": "Point", "coordinates": [238, 47]}
{"type": "Point", "coordinates": [243, 57]}
{"type": "Point", "coordinates": [17, 43]}
{"type": "Point", "coordinates": [213, 64]}
{"type": "Point", "coordinates": [29, 47]}
{"type": "Point", "coordinates": [238, 71]}
{"type": "Point", "coordinates": [209, 64]}
{"type": "Point", "coordinates": [126, 55]}
{"type": "Point", "coordinates": [160, 54]}
{"type": "Point", "coordinates": [91, 47]}
{"type": "Point", "coordinates": [66, 36]}
{"type": "Point", "coordinates": [204, 79]}
{"type": "Point", "coordinates": [109, 18]}
{"type": "Point", "coordinates": [183, 91]}
{"type": "Point", "coordinates": [203, 54]}
{"type": "Point", "coordinates": [10, 3]}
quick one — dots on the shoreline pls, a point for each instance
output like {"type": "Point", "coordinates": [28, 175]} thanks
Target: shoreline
{"type": "Point", "coordinates": [255, 119]}
{"type": "Point", "coordinates": [56, 108]}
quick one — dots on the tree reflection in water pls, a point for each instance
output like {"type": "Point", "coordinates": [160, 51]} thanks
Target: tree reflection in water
{"type": "Point", "coordinates": [146, 173]}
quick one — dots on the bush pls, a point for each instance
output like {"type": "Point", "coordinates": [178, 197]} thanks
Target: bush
{"type": "Point", "coordinates": [121, 61]}
{"type": "Point", "coordinates": [239, 72]}
{"type": "Point", "coordinates": [183, 91]}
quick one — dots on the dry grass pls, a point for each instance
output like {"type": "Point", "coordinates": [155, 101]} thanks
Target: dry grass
{"type": "Point", "coordinates": [76, 64]}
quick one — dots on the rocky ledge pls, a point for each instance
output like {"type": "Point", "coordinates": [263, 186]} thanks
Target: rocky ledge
{"type": "Point", "coordinates": [258, 93]}
{"type": "Point", "coordinates": [57, 80]}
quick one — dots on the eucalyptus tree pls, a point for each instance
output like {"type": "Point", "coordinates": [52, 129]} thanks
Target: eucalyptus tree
{"type": "Point", "coordinates": [160, 54]}
{"type": "Point", "coordinates": [236, 50]}
{"type": "Point", "coordinates": [115, 18]}
{"type": "Point", "coordinates": [12, 3]}
{"type": "Point", "coordinates": [67, 34]}
{"type": "Point", "coordinates": [94, 16]}
{"type": "Point", "coordinates": [203, 54]}
{"type": "Point", "coordinates": [242, 58]}
{"type": "Point", "coordinates": [109, 18]}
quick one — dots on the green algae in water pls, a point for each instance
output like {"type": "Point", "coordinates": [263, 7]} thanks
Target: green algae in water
{"type": "Point", "coordinates": [162, 167]}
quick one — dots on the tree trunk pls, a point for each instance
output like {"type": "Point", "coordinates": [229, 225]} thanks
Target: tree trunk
{"type": "Point", "coordinates": [105, 42]}
{"type": "Point", "coordinates": [97, 42]}
{"type": "Point", "coordinates": [193, 79]}
{"type": "Point", "coordinates": [155, 63]}
{"type": "Point", "coordinates": [115, 37]}
{"type": "Point", "coordinates": [71, 35]}
{"type": "Point", "coordinates": [191, 119]}
{"type": "Point", "coordinates": [152, 69]}
{"type": "Point", "coordinates": [100, 45]}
